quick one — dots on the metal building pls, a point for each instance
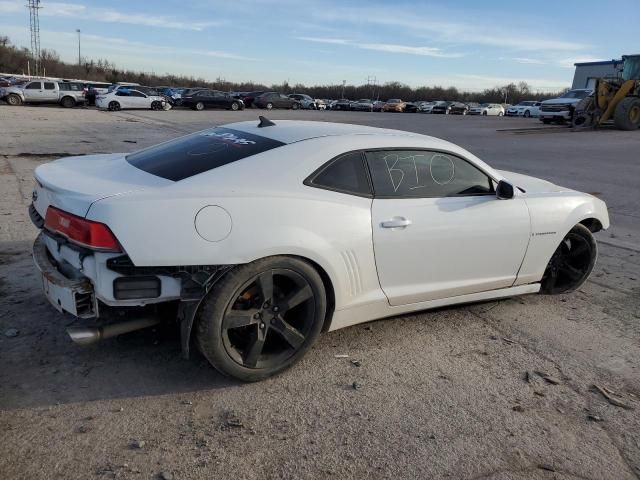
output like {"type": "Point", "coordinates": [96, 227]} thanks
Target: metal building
{"type": "Point", "coordinates": [587, 72]}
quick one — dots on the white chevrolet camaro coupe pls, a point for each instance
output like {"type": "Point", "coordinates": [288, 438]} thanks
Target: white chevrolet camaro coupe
{"type": "Point", "coordinates": [256, 237]}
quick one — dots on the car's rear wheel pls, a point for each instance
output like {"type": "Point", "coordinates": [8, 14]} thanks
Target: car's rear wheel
{"type": "Point", "coordinates": [572, 262]}
{"type": "Point", "coordinates": [235, 106]}
{"type": "Point", "coordinates": [262, 317]}
{"type": "Point", "coordinates": [527, 114]}
{"type": "Point", "coordinates": [114, 106]}
{"type": "Point", "coordinates": [269, 106]}
{"type": "Point", "coordinates": [295, 106]}
{"type": "Point", "coordinates": [484, 113]}
{"type": "Point", "coordinates": [500, 114]}
{"type": "Point", "coordinates": [14, 100]}
{"type": "Point", "coordinates": [67, 102]}
{"type": "Point", "coordinates": [199, 106]}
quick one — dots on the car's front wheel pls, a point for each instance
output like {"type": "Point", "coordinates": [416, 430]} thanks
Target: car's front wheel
{"type": "Point", "coordinates": [527, 114]}
{"type": "Point", "coordinates": [571, 263]}
{"type": "Point", "coordinates": [261, 317]}
{"type": "Point", "coordinates": [199, 106]}
{"type": "Point", "coordinates": [269, 106]}
{"type": "Point", "coordinates": [114, 106]}
{"type": "Point", "coordinates": [235, 106]}
{"type": "Point", "coordinates": [295, 106]}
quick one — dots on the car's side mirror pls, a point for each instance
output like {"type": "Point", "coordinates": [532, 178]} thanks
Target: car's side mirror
{"type": "Point", "coordinates": [504, 190]}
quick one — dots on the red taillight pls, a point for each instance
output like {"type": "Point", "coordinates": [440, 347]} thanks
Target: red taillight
{"type": "Point", "coordinates": [81, 231]}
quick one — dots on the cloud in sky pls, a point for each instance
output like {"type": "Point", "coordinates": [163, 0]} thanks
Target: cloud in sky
{"type": "Point", "coordinates": [528, 61]}
{"type": "Point", "coordinates": [385, 47]}
{"type": "Point", "coordinates": [107, 15]}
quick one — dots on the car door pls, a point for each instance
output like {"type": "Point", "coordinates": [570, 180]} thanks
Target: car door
{"type": "Point", "coordinates": [139, 100]}
{"type": "Point", "coordinates": [219, 100]}
{"type": "Point", "coordinates": [33, 92]}
{"type": "Point", "coordinates": [49, 93]}
{"type": "Point", "coordinates": [438, 228]}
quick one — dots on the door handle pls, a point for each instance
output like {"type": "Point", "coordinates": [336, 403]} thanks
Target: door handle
{"type": "Point", "coordinates": [396, 222]}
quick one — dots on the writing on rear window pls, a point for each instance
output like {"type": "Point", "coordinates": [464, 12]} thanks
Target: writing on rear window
{"type": "Point", "coordinates": [200, 152]}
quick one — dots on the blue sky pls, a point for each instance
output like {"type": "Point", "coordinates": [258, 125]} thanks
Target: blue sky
{"type": "Point", "coordinates": [469, 44]}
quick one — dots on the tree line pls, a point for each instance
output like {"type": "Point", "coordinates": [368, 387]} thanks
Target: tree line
{"type": "Point", "coordinates": [14, 60]}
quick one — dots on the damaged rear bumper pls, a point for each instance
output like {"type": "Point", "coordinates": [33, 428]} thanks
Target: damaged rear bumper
{"type": "Point", "coordinates": [73, 294]}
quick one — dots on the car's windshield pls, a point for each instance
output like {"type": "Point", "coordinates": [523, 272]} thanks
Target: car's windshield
{"type": "Point", "coordinates": [576, 94]}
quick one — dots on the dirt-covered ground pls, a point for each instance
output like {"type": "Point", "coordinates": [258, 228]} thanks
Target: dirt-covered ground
{"type": "Point", "coordinates": [499, 390]}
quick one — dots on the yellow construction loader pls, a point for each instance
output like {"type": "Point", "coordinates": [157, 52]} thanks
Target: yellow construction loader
{"type": "Point", "coordinates": [613, 98]}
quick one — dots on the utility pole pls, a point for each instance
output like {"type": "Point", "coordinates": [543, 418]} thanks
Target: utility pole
{"type": "Point", "coordinates": [344, 82]}
{"type": "Point", "coordinates": [79, 61]}
{"type": "Point", "coordinates": [34, 26]}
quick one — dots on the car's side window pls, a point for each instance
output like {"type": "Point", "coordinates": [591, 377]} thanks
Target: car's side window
{"type": "Point", "coordinates": [135, 93]}
{"type": "Point", "coordinates": [346, 174]}
{"type": "Point", "coordinates": [424, 173]}
{"type": "Point", "coordinates": [49, 86]}
{"type": "Point", "coordinates": [34, 86]}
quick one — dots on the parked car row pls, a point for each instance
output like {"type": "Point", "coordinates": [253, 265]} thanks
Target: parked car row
{"type": "Point", "coordinates": [113, 97]}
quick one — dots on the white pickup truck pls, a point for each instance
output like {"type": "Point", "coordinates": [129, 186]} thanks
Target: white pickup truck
{"type": "Point", "coordinates": [561, 108]}
{"type": "Point", "coordinates": [67, 94]}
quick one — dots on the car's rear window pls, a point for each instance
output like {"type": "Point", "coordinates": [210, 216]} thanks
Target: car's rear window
{"type": "Point", "coordinates": [187, 156]}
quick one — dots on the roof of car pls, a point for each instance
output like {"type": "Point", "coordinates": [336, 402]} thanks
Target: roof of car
{"type": "Point", "coordinates": [290, 131]}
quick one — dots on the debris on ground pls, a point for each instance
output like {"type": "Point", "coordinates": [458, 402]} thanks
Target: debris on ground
{"type": "Point", "coordinates": [11, 332]}
{"type": "Point", "coordinates": [518, 408]}
{"type": "Point", "coordinates": [230, 420]}
{"type": "Point", "coordinates": [527, 377]}
{"type": "Point", "coordinates": [608, 395]}
{"type": "Point", "coordinates": [341, 355]}
{"type": "Point", "coordinates": [539, 393]}
{"type": "Point", "coordinates": [165, 476]}
{"type": "Point", "coordinates": [356, 363]}
{"type": "Point", "coordinates": [508, 340]}
{"type": "Point", "coordinates": [130, 141]}
{"type": "Point", "coordinates": [137, 444]}
{"type": "Point", "coordinates": [187, 402]}
{"type": "Point", "coordinates": [546, 467]}
{"type": "Point", "coordinates": [594, 418]}
{"type": "Point", "coordinates": [547, 378]}
{"type": "Point", "coordinates": [355, 385]}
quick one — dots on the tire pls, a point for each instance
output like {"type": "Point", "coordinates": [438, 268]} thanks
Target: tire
{"type": "Point", "coordinates": [484, 114]}
{"type": "Point", "coordinates": [232, 329]}
{"type": "Point", "coordinates": [500, 114]}
{"type": "Point", "coordinates": [156, 105]}
{"type": "Point", "coordinates": [114, 106]}
{"type": "Point", "coordinates": [199, 106]}
{"type": "Point", "coordinates": [295, 106]}
{"type": "Point", "coordinates": [67, 102]}
{"type": "Point", "coordinates": [14, 100]}
{"type": "Point", "coordinates": [572, 262]}
{"type": "Point", "coordinates": [627, 114]}
{"type": "Point", "coordinates": [269, 106]}
{"type": "Point", "coordinates": [526, 114]}
{"type": "Point", "coordinates": [235, 107]}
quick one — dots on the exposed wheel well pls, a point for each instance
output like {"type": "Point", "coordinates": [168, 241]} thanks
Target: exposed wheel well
{"type": "Point", "coordinates": [593, 224]}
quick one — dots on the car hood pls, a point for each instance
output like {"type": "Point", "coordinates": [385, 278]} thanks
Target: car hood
{"type": "Point", "coordinates": [75, 183]}
{"type": "Point", "coordinates": [531, 184]}
{"type": "Point", "coordinates": [561, 100]}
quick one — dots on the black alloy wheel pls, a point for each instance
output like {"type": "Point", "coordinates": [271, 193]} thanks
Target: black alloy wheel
{"type": "Point", "coordinates": [114, 106]}
{"type": "Point", "coordinates": [262, 317]}
{"type": "Point", "coordinates": [572, 262]}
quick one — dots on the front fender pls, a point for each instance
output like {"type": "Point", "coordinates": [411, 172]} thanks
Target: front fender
{"type": "Point", "coordinates": [552, 217]}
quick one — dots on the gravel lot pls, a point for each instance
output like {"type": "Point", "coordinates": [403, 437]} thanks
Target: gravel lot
{"type": "Point", "coordinates": [499, 390]}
